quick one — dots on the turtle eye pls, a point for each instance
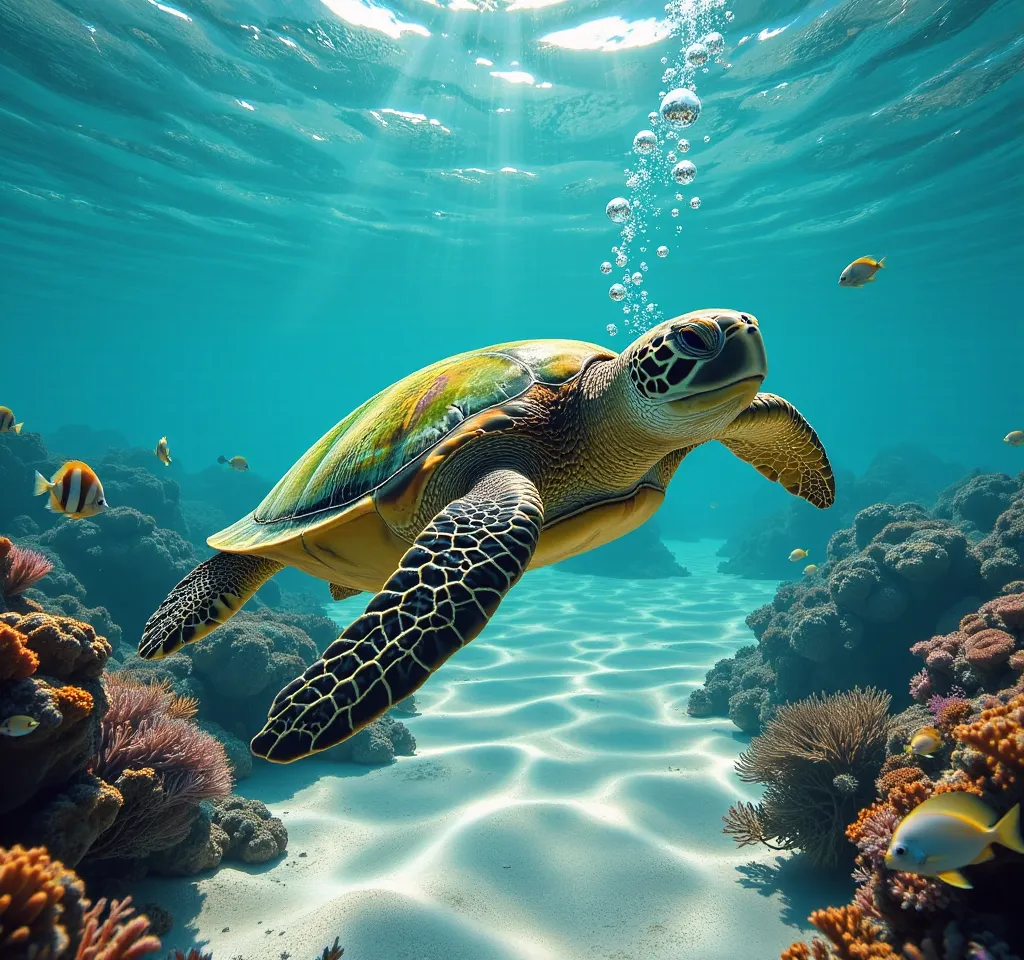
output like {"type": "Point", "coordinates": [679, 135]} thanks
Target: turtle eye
{"type": "Point", "coordinates": [700, 340]}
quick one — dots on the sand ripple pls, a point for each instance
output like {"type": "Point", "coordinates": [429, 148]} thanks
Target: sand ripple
{"type": "Point", "coordinates": [561, 805]}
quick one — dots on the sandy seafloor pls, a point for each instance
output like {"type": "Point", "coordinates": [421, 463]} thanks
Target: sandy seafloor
{"type": "Point", "coordinates": [561, 804]}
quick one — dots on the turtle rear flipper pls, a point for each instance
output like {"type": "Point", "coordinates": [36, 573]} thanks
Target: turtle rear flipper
{"type": "Point", "coordinates": [774, 438]}
{"type": "Point", "coordinates": [448, 585]}
{"type": "Point", "coordinates": [209, 596]}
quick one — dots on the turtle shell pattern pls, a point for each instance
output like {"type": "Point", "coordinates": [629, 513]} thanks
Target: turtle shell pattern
{"type": "Point", "coordinates": [392, 429]}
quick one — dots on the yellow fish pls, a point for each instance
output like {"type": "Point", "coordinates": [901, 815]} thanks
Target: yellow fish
{"type": "Point", "coordinates": [75, 490]}
{"type": "Point", "coordinates": [925, 743]}
{"type": "Point", "coordinates": [18, 726]}
{"type": "Point", "coordinates": [797, 554]}
{"type": "Point", "coordinates": [236, 463]}
{"type": "Point", "coordinates": [1015, 438]}
{"type": "Point", "coordinates": [861, 271]}
{"type": "Point", "coordinates": [949, 831]}
{"type": "Point", "coordinates": [810, 568]}
{"type": "Point", "coordinates": [162, 453]}
{"type": "Point", "coordinates": [7, 424]}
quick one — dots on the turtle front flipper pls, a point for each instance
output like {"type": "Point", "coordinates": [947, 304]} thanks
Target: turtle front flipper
{"type": "Point", "coordinates": [338, 592]}
{"type": "Point", "coordinates": [209, 596]}
{"type": "Point", "coordinates": [780, 444]}
{"type": "Point", "coordinates": [448, 585]}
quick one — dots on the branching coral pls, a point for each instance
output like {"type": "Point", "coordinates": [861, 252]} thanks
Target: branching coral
{"type": "Point", "coordinates": [818, 760]}
{"type": "Point", "coordinates": [118, 936]}
{"type": "Point", "coordinates": [852, 936]}
{"type": "Point", "coordinates": [998, 736]}
{"type": "Point", "coordinates": [162, 764]}
{"type": "Point", "coordinates": [40, 905]}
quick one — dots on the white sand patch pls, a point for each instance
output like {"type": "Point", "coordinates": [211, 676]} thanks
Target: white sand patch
{"type": "Point", "coordinates": [561, 804]}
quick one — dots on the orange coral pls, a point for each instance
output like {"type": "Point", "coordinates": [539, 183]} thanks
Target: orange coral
{"type": "Point", "coordinates": [998, 734]}
{"type": "Point", "coordinates": [898, 777]}
{"type": "Point", "coordinates": [957, 710]}
{"type": "Point", "coordinates": [183, 708]}
{"type": "Point", "coordinates": [906, 796]}
{"type": "Point", "coordinates": [66, 647]}
{"type": "Point", "coordinates": [17, 661]}
{"type": "Point", "coordinates": [120, 937]}
{"type": "Point", "coordinates": [853, 937]}
{"type": "Point", "coordinates": [74, 703]}
{"type": "Point", "coordinates": [855, 831]}
{"type": "Point", "coordinates": [32, 888]}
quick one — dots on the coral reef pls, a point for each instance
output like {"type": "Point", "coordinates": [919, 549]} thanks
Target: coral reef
{"type": "Point", "coordinates": [818, 760]}
{"type": "Point", "coordinates": [984, 654]}
{"type": "Point", "coordinates": [909, 917]}
{"type": "Point", "coordinates": [640, 555]}
{"type": "Point", "coordinates": [890, 580]}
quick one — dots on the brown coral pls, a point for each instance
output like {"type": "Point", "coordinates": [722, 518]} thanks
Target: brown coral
{"type": "Point", "coordinates": [33, 888]}
{"type": "Point", "coordinates": [818, 759]}
{"type": "Point", "coordinates": [20, 568]}
{"type": "Point", "coordinates": [954, 710]}
{"type": "Point", "coordinates": [998, 735]}
{"type": "Point", "coordinates": [17, 661]}
{"type": "Point", "coordinates": [989, 649]}
{"type": "Point", "coordinates": [897, 777]}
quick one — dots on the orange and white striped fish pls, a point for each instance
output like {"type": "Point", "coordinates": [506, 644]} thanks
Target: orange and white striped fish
{"type": "Point", "coordinates": [7, 424]}
{"type": "Point", "coordinates": [75, 491]}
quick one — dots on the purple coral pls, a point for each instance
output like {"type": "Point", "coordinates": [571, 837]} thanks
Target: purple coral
{"type": "Point", "coordinates": [20, 568]}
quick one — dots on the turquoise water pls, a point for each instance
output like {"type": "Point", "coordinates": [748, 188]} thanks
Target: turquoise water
{"type": "Point", "coordinates": [215, 227]}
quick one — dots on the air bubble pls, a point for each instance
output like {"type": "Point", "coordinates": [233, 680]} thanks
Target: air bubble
{"type": "Point", "coordinates": [684, 146]}
{"type": "Point", "coordinates": [684, 172]}
{"type": "Point", "coordinates": [645, 142]}
{"type": "Point", "coordinates": [618, 210]}
{"type": "Point", "coordinates": [617, 292]}
{"type": "Point", "coordinates": [671, 156]}
{"type": "Point", "coordinates": [643, 265]}
{"type": "Point", "coordinates": [637, 278]}
{"type": "Point", "coordinates": [612, 330]}
{"type": "Point", "coordinates": [730, 16]}
{"type": "Point", "coordinates": [662, 251]}
{"type": "Point", "coordinates": [606, 267]}
{"type": "Point", "coordinates": [652, 117]}
{"type": "Point", "coordinates": [715, 43]}
{"type": "Point", "coordinates": [681, 107]}
{"type": "Point", "coordinates": [674, 211]}
{"type": "Point", "coordinates": [697, 54]}
{"type": "Point", "coordinates": [695, 203]}
{"type": "Point", "coordinates": [707, 139]}
{"type": "Point", "coordinates": [621, 260]}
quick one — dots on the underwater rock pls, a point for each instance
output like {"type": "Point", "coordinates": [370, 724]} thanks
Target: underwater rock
{"type": "Point", "coordinates": [886, 582]}
{"type": "Point", "coordinates": [1002, 551]}
{"type": "Point", "coordinates": [125, 562]}
{"type": "Point", "coordinates": [253, 835]}
{"type": "Point", "coordinates": [201, 850]}
{"type": "Point", "coordinates": [238, 753]}
{"type": "Point", "coordinates": [378, 743]}
{"type": "Point", "coordinates": [20, 457]}
{"type": "Point", "coordinates": [129, 480]}
{"type": "Point", "coordinates": [639, 555]}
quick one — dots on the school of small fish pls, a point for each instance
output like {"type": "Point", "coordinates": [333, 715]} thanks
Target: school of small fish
{"type": "Point", "coordinates": [947, 832]}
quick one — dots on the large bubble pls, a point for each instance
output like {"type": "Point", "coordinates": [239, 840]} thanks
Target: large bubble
{"type": "Point", "coordinates": [618, 210]}
{"type": "Point", "coordinates": [681, 107]}
{"type": "Point", "coordinates": [612, 329]}
{"type": "Point", "coordinates": [684, 145]}
{"type": "Point", "coordinates": [606, 267]}
{"type": "Point", "coordinates": [715, 43]}
{"type": "Point", "coordinates": [684, 172]}
{"type": "Point", "coordinates": [645, 141]}
{"type": "Point", "coordinates": [695, 203]}
{"type": "Point", "coordinates": [617, 292]}
{"type": "Point", "coordinates": [697, 54]}
{"type": "Point", "coordinates": [662, 251]}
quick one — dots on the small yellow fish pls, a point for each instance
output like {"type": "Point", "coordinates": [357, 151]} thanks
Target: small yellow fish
{"type": "Point", "coordinates": [861, 271]}
{"type": "Point", "coordinates": [810, 569]}
{"type": "Point", "coordinates": [18, 726]}
{"type": "Point", "coordinates": [949, 831]}
{"type": "Point", "coordinates": [75, 490]}
{"type": "Point", "coordinates": [7, 424]}
{"type": "Point", "coordinates": [162, 453]}
{"type": "Point", "coordinates": [236, 463]}
{"type": "Point", "coordinates": [797, 554]}
{"type": "Point", "coordinates": [925, 743]}
{"type": "Point", "coordinates": [1015, 438]}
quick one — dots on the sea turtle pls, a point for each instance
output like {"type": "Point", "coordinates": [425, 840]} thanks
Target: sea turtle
{"type": "Point", "coordinates": [438, 493]}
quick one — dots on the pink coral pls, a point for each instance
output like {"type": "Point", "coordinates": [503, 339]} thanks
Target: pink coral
{"type": "Point", "coordinates": [1009, 610]}
{"type": "Point", "coordinates": [120, 936]}
{"type": "Point", "coordinates": [988, 649]}
{"type": "Point", "coordinates": [20, 568]}
{"type": "Point", "coordinates": [921, 686]}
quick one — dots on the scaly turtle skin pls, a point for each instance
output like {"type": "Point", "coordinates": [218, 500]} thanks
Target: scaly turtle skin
{"type": "Point", "coordinates": [438, 494]}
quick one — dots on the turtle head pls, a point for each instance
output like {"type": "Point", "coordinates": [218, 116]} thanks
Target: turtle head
{"type": "Point", "coordinates": [696, 372]}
